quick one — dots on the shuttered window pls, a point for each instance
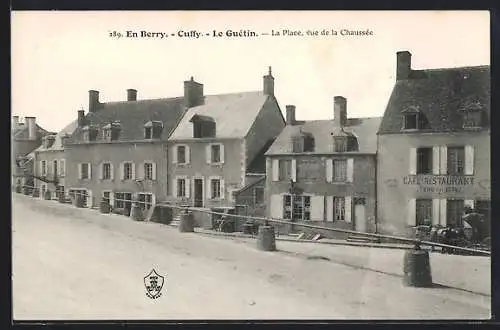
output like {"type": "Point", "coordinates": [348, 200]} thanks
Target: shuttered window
{"type": "Point", "coordinates": [339, 209]}
{"type": "Point", "coordinates": [181, 187]}
{"type": "Point", "coordinates": [285, 169]}
{"type": "Point", "coordinates": [127, 171]}
{"type": "Point", "coordinates": [423, 212]}
{"type": "Point", "coordinates": [456, 160]}
{"type": "Point", "coordinates": [308, 169]}
{"type": "Point", "coordinates": [454, 211]}
{"type": "Point", "coordinates": [85, 170]}
{"type": "Point", "coordinates": [106, 171]}
{"type": "Point", "coordinates": [339, 170]}
{"type": "Point", "coordinates": [297, 207]}
{"type": "Point", "coordinates": [424, 160]}
{"type": "Point", "coordinates": [148, 171]}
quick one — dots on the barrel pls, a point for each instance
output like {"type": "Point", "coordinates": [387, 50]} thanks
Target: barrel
{"type": "Point", "coordinates": [265, 239]}
{"type": "Point", "coordinates": [417, 268]}
{"type": "Point", "coordinates": [79, 200]}
{"type": "Point", "coordinates": [104, 206]}
{"type": "Point", "coordinates": [136, 213]}
{"type": "Point", "coordinates": [186, 223]}
{"type": "Point", "coordinates": [61, 197]}
{"type": "Point", "coordinates": [47, 195]}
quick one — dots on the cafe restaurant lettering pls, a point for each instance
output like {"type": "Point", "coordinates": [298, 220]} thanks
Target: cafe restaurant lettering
{"type": "Point", "coordinates": [438, 183]}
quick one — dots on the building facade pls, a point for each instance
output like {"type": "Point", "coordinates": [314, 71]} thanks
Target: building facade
{"type": "Point", "coordinates": [434, 147]}
{"type": "Point", "coordinates": [217, 149]}
{"type": "Point", "coordinates": [323, 172]}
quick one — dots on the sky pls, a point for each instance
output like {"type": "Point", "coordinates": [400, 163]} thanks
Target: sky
{"type": "Point", "coordinates": [58, 56]}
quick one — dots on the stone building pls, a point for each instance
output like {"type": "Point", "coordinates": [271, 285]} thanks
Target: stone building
{"type": "Point", "coordinates": [323, 171]}
{"type": "Point", "coordinates": [434, 147]}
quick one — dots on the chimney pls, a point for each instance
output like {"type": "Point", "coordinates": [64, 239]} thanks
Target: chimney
{"type": "Point", "coordinates": [32, 129]}
{"type": "Point", "coordinates": [15, 122]}
{"type": "Point", "coordinates": [193, 93]}
{"type": "Point", "coordinates": [269, 83]}
{"type": "Point", "coordinates": [93, 101]}
{"type": "Point", "coordinates": [131, 95]}
{"type": "Point", "coordinates": [290, 114]}
{"type": "Point", "coordinates": [81, 118]}
{"type": "Point", "coordinates": [403, 65]}
{"type": "Point", "coordinates": [339, 111]}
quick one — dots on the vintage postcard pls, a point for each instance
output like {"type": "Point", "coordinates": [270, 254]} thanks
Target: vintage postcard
{"type": "Point", "coordinates": [257, 165]}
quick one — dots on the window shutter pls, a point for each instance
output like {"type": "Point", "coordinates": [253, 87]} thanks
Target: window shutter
{"type": "Point", "coordinates": [101, 170]}
{"type": "Point", "coordinates": [174, 187]}
{"type": "Point", "coordinates": [350, 169]}
{"type": "Point", "coordinates": [442, 212]}
{"type": "Point", "coordinates": [154, 170]}
{"type": "Point", "coordinates": [62, 167]}
{"type": "Point", "coordinates": [188, 155]}
{"type": "Point", "coordinates": [174, 156]}
{"type": "Point", "coordinates": [153, 199]}
{"type": "Point", "coordinates": [276, 207]}
{"type": "Point", "coordinates": [111, 172]}
{"type": "Point", "coordinates": [209, 189]}
{"type": "Point", "coordinates": [435, 160]}
{"type": "Point", "coordinates": [80, 176]}
{"type": "Point", "coordinates": [348, 209]}
{"type": "Point", "coordinates": [133, 170]}
{"type": "Point", "coordinates": [329, 208]}
{"type": "Point", "coordinates": [188, 186]}
{"type": "Point", "coordinates": [222, 153]}
{"type": "Point", "coordinates": [469, 202]}
{"type": "Point", "coordinates": [435, 211]}
{"type": "Point", "coordinates": [111, 199]}
{"type": "Point", "coordinates": [142, 171]}
{"type": "Point", "coordinates": [469, 160]}
{"type": "Point", "coordinates": [276, 169]}
{"type": "Point", "coordinates": [122, 171]}
{"type": "Point", "coordinates": [222, 189]}
{"type": "Point", "coordinates": [208, 153]}
{"type": "Point", "coordinates": [413, 161]}
{"type": "Point", "coordinates": [89, 169]}
{"type": "Point", "coordinates": [411, 208]}
{"type": "Point", "coordinates": [329, 170]}
{"type": "Point", "coordinates": [89, 203]}
{"type": "Point", "coordinates": [443, 159]}
{"type": "Point", "coordinates": [317, 208]}
{"type": "Point", "coordinates": [294, 170]}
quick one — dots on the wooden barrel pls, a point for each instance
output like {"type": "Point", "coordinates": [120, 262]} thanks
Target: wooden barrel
{"type": "Point", "coordinates": [136, 213]}
{"type": "Point", "coordinates": [186, 223]}
{"type": "Point", "coordinates": [104, 206]}
{"type": "Point", "coordinates": [417, 268]}
{"type": "Point", "coordinates": [265, 239]}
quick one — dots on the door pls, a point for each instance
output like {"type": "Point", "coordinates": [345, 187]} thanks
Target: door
{"type": "Point", "coordinates": [359, 217]}
{"type": "Point", "coordinates": [198, 193]}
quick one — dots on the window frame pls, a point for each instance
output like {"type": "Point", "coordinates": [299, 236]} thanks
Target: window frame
{"type": "Point", "coordinates": [181, 147]}
{"type": "Point", "coordinates": [150, 165]}
{"type": "Point", "coordinates": [218, 193]}
{"type": "Point", "coordinates": [450, 159]}
{"type": "Point", "coordinates": [342, 212]}
{"type": "Point", "coordinates": [104, 170]}
{"type": "Point", "coordinates": [212, 146]}
{"type": "Point", "coordinates": [125, 164]}
{"type": "Point", "coordinates": [418, 167]}
{"type": "Point", "coordinates": [419, 217]}
{"type": "Point", "coordinates": [85, 174]}
{"type": "Point", "coordinates": [342, 179]}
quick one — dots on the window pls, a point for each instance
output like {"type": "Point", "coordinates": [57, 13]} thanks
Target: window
{"type": "Point", "coordinates": [297, 144]}
{"type": "Point", "coordinates": [215, 188]}
{"type": "Point", "coordinates": [203, 129]}
{"type": "Point", "coordinates": [308, 144]}
{"type": "Point", "coordinates": [148, 171]}
{"type": "Point", "coordinates": [352, 143]}
{"type": "Point", "coordinates": [472, 119]}
{"type": "Point", "coordinates": [410, 121]}
{"type": "Point", "coordinates": [122, 200]}
{"type": "Point", "coordinates": [424, 161]}
{"type": "Point", "coordinates": [339, 170]}
{"type": "Point", "coordinates": [148, 132]}
{"type": "Point", "coordinates": [106, 171]}
{"type": "Point", "coordinates": [296, 207]}
{"type": "Point", "coordinates": [89, 133]}
{"type": "Point", "coordinates": [181, 187]}
{"type": "Point", "coordinates": [153, 130]}
{"type": "Point", "coordinates": [62, 167]}
{"type": "Point", "coordinates": [338, 208]}
{"type": "Point", "coordinates": [145, 200]}
{"type": "Point", "coordinates": [127, 171]}
{"type": "Point", "coordinates": [308, 169]}
{"type": "Point", "coordinates": [423, 212]}
{"type": "Point", "coordinates": [454, 211]}
{"type": "Point", "coordinates": [215, 153]}
{"type": "Point", "coordinates": [44, 168]}
{"type": "Point", "coordinates": [456, 160]}
{"type": "Point", "coordinates": [285, 169]}
{"type": "Point", "coordinates": [340, 144]}
{"type": "Point", "coordinates": [258, 195]}
{"type": "Point", "coordinates": [181, 154]}
{"type": "Point", "coordinates": [54, 166]}
{"type": "Point", "coordinates": [107, 134]}
{"type": "Point", "coordinates": [85, 171]}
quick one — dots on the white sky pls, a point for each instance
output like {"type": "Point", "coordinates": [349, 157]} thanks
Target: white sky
{"type": "Point", "coordinates": [58, 56]}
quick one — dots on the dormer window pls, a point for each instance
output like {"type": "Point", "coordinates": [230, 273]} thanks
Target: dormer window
{"type": "Point", "coordinates": [414, 119]}
{"type": "Point", "coordinates": [112, 131]}
{"type": "Point", "coordinates": [203, 127]}
{"type": "Point", "coordinates": [472, 113]}
{"type": "Point", "coordinates": [89, 133]}
{"type": "Point", "coordinates": [340, 143]}
{"type": "Point", "coordinates": [308, 143]}
{"type": "Point", "coordinates": [302, 142]}
{"type": "Point", "coordinates": [153, 129]}
{"type": "Point", "coordinates": [48, 141]}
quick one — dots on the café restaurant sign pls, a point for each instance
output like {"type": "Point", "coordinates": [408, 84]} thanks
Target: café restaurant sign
{"type": "Point", "coordinates": [439, 183]}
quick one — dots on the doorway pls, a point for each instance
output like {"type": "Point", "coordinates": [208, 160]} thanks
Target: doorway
{"type": "Point", "coordinates": [359, 218]}
{"type": "Point", "coordinates": [198, 192]}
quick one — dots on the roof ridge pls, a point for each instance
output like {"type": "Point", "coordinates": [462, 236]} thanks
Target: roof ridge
{"type": "Point", "coordinates": [455, 68]}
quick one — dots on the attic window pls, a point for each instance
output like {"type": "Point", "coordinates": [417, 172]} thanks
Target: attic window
{"type": "Point", "coordinates": [303, 143]}
{"type": "Point", "coordinates": [411, 120]}
{"type": "Point", "coordinates": [203, 126]}
{"type": "Point", "coordinates": [153, 129]}
{"type": "Point", "coordinates": [89, 133]}
{"type": "Point", "coordinates": [112, 131]}
{"type": "Point", "coordinates": [352, 144]}
{"type": "Point", "coordinates": [308, 143]}
{"type": "Point", "coordinates": [414, 119]}
{"type": "Point", "coordinates": [340, 143]}
{"type": "Point", "coordinates": [472, 115]}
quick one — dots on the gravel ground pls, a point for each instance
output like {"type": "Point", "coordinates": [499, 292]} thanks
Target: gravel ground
{"type": "Point", "coordinates": [71, 263]}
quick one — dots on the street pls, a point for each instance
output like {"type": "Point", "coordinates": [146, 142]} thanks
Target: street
{"type": "Point", "coordinates": [71, 263]}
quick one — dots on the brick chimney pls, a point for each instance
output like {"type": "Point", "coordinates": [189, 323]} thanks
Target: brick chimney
{"type": "Point", "coordinates": [403, 65]}
{"type": "Point", "coordinates": [269, 83]}
{"type": "Point", "coordinates": [93, 101]}
{"type": "Point", "coordinates": [131, 94]}
{"type": "Point", "coordinates": [290, 114]}
{"type": "Point", "coordinates": [81, 118]}
{"type": "Point", "coordinates": [339, 111]}
{"type": "Point", "coordinates": [193, 93]}
{"type": "Point", "coordinates": [32, 129]}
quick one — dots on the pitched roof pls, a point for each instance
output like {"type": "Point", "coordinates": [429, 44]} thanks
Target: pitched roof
{"type": "Point", "coordinates": [439, 94]}
{"type": "Point", "coordinates": [233, 114]}
{"type": "Point", "coordinates": [22, 133]}
{"type": "Point", "coordinates": [57, 145]}
{"type": "Point", "coordinates": [133, 115]}
{"type": "Point", "coordinates": [365, 129]}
